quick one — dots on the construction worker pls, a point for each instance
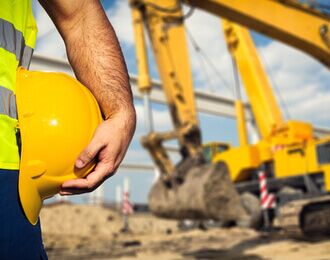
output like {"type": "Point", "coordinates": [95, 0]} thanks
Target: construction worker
{"type": "Point", "coordinates": [97, 60]}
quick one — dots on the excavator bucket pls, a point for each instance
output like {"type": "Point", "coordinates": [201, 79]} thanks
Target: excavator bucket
{"type": "Point", "coordinates": [206, 193]}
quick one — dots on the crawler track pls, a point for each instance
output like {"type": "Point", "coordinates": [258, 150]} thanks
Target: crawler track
{"type": "Point", "coordinates": [306, 218]}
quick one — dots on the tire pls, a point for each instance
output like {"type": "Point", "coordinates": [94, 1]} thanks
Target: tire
{"type": "Point", "coordinates": [252, 205]}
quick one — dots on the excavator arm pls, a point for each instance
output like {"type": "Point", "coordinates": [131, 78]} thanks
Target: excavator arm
{"type": "Point", "coordinates": [167, 35]}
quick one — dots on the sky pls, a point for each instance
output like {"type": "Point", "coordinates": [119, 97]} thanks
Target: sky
{"type": "Point", "coordinates": [301, 83]}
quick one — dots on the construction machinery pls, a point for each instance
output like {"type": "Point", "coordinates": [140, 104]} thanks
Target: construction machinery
{"type": "Point", "coordinates": [287, 151]}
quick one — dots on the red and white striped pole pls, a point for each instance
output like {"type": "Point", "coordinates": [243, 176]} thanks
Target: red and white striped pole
{"type": "Point", "coordinates": [267, 200]}
{"type": "Point", "coordinates": [127, 207]}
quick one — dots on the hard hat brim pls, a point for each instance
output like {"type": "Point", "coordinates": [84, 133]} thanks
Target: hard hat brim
{"type": "Point", "coordinates": [31, 201]}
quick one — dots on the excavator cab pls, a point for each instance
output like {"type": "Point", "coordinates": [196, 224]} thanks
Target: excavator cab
{"type": "Point", "coordinates": [213, 148]}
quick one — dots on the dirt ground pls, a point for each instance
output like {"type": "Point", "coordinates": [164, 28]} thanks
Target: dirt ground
{"type": "Point", "coordinates": [93, 232]}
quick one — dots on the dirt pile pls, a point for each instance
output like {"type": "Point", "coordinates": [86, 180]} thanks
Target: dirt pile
{"type": "Point", "coordinates": [86, 220]}
{"type": "Point", "coordinates": [92, 232]}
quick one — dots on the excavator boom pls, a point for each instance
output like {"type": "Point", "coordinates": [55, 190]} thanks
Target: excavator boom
{"type": "Point", "coordinates": [168, 40]}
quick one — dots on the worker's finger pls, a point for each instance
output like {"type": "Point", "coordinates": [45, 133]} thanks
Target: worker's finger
{"type": "Point", "coordinates": [69, 192]}
{"type": "Point", "coordinates": [89, 153]}
{"type": "Point", "coordinates": [88, 184]}
{"type": "Point", "coordinates": [75, 190]}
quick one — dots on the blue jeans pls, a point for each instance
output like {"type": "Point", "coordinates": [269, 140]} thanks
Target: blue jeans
{"type": "Point", "coordinates": [18, 238]}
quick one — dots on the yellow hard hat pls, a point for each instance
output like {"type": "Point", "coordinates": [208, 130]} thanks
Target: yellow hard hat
{"type": "Point", "coordinates": [57, 117]}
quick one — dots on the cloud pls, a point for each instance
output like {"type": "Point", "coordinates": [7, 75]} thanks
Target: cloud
{"type": "Point", "coordinates": [161, 120]}
{"type": "Point", "coordinates": [302, 81]}
{"type": "Point", "coordinates": [49, 41]}
{"type": "Point", "coordinates": [206, 31]}
{"type": "Point", "coordinates": [121, 20]}
{"type": "Point", "coordinates": [120, 17]}
{"type": "Point", "coordinates": [137, 156]}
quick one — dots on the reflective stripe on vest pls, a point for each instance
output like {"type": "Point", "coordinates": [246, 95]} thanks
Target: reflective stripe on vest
{"type": "Point", "coordinates": [13, 41]}
{"type": "Point", "coordinates": [8, 103]}
{"type": "Point", "coordinates": [17, 38]}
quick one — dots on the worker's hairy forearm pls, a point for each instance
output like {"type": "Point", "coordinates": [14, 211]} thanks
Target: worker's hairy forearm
{"type": "Point", "coordinates": [97, 61]}
{"type": "Point", "coordinates": [96, 57]}
{"type": "Point", "coordinates": [94, 52]}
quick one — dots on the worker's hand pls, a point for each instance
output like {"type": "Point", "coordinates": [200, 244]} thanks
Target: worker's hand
{"type": "Point", "coordinates": [108, 147]}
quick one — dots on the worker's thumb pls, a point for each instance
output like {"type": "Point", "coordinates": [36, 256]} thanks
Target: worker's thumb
{"type": "Point", "coordinates": [89, 153]}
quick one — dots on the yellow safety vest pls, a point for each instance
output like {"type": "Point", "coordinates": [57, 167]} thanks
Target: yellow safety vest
{"type": "Point", "coordinates": [18, 32]}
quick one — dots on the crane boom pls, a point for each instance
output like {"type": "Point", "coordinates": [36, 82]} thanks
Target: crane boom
{"type": "Point", "coordinates": [263, 103]}
{"type": "Point", "coordinates": [285, 20]}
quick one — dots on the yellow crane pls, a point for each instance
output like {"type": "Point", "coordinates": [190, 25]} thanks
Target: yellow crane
{"type": "Point", "coordinates": [289, 150]}
{"type": "Point", "coordinates": [288, 147]}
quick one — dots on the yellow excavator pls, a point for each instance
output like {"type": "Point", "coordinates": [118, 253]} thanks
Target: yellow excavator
{"type": "Point", "coordinates": [287, 151]}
